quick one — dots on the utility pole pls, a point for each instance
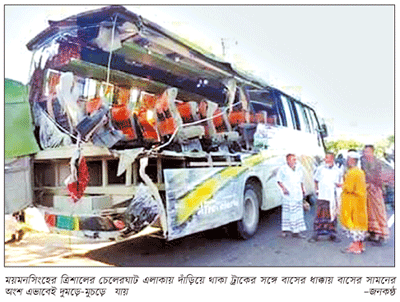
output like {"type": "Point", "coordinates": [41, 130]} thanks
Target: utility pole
{"type": "Point", "coordinates": [223, 47]}
{"type": "Point", "coordinates": [227, 44]}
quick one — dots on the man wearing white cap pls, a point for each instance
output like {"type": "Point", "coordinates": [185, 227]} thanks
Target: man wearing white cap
{"type": "Point", "coordinates": [353, 215]}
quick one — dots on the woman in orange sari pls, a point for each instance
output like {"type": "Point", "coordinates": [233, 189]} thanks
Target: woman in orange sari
{"type": "Point", "coordinates": [353, 215]}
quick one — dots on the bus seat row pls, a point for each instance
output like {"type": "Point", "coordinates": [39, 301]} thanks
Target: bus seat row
{"type": "Point", "coordinates": [216, 122]}
{"type": "Point", "coordinates": [240, 117]}
{"type": "Point", "coordinates": [170, 121]}
{"type": "Point", "coordinates": [185, 120]}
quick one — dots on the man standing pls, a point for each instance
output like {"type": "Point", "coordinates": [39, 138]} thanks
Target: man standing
{"type": "Point", "coordinates": [377, 217]}
{"type": "Point", "coordinates": [327, 179]}
{"type": "Point", "coordinates": [353, 215]}
{"type": "Point", "coordinates": [290, 180]}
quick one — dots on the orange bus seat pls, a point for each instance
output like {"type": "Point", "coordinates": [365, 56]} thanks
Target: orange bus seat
{"type": "Point", "coordinates": [236, 118]}
{"type": "Point", "coordinates": [188, 111]}
{"type": "Point", "coordinates": [166, 123]}
{"type": "Point", "coordinates": [93, 105]}
{"type": "Point", "coordinates": [122, 119]}
{"type": "Point", "coordinates": [261, 117]}
{"type": "Point", "coordinates": [203, 106]}
{"type": "Point", "coordinates": [147, 123]}
{"type": "Point", "coordinates": [216, 123]}
{"type": "Point", "coordinates": [272, 120]}
{"type": "Point", "coordinates": [149, 131]}
{"type": "Point", "coordinates": [169, 120]}
{"type": "Point", "coordinates": [253, 117]}
{"type": "Point", "coordinates": [219, 121]}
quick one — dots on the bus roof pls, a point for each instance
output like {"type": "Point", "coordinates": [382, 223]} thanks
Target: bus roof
{"type": "Point", "coordinates": [174, 52]}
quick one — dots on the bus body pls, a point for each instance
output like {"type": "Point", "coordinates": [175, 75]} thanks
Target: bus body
{"type": "Point", "coordinates": [138, 128]}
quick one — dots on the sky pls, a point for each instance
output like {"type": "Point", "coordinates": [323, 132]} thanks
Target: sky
{"type": "Point", "coordinates": [342, 57]}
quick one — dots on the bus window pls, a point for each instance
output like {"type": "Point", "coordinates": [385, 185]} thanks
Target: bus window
{"type": "Point", "coordinates": [292, 112]}
{"type": "Point", "coordinates": [295, 115]}
{"type": "Point", "coordinates": [311, 120]}
{"type": "Point", "coordinates": [304, 124]}
{"type": "Point", "coordinates": [315, 120]}
{"type": "Point", "coordinates": [289, 115]}
{"type": "Point", "coordinates": [307, 119]}
{"type": "Point", "coordinates": [264, 100]}
{"type": "Point", "coordinates": [282, 120]}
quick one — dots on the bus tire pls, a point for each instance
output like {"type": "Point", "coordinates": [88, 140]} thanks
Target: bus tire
{"type": "Point", "coordinates": [247, 226]}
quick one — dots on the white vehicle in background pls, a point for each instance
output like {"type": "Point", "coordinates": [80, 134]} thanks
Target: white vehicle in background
{"type": "Point", "coordinates": [148, 130]}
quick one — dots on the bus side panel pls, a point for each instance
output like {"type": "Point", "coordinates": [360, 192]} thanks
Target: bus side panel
{"type": "Point", "coordinates": [268, 170]}
{"type": "Point", "coordinates": [199, 199]}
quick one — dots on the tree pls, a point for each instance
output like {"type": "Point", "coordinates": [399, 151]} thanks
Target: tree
{"type": "Point", "coordinates": [380, 147]}
{"type": "Point", "coordinates": [342, 144]}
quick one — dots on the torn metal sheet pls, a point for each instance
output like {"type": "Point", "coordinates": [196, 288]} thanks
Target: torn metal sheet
{"type": "Point", "coordinates": [109, 39]}
{"type": "Point", "coordinates": [50, 136]}
{"type": "Point", "coordinates": [154, 192]}
{"type": "Point", "coordinates": [142, 211]}
{"type": "Point", "coordinates": [126, 158]}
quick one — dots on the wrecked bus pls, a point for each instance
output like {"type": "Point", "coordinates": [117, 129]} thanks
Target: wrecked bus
{"type": "Point", "coordinates": [138, 128]}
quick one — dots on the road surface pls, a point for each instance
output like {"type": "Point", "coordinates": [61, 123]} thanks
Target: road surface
{"type": "Point", "coordinates": [206, 249]}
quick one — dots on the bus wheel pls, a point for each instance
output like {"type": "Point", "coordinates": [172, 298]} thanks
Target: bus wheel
{"type": "Point", "coordinates": [247, 226]}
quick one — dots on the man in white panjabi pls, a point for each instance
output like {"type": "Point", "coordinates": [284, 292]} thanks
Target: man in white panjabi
{"type": "Point", "coordinates": [290, 179]}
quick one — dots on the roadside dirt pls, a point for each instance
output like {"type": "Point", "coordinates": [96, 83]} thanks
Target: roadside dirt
{"type": "Point", "coordinates": [47, 249]}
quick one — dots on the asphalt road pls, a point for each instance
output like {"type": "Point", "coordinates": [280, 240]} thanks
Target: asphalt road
{"type": "Point", "coordinates": [216, 249]}
{"type": "Point", "coordinates": [213, 248]}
